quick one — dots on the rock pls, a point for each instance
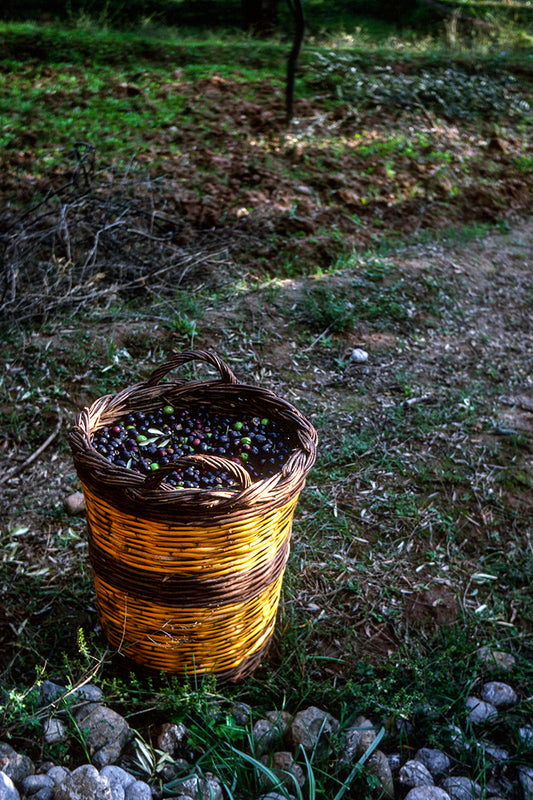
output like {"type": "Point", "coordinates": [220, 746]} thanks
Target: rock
{"type": "Point", "coordinates": [312, 729]}
{"type": "Point", "coordinates": [266, 736]}
{"type": "Point", "coordinates": [6, 752]}
{"type": "Point", "coordinates": [427, 793]}
{"type": "Point", "coordinates": [84, 783]}
{"type": "Point", "coordinates": [33, 783]}
{"type": "Point", "coordinates": [395, 761]}
{"type": "Point", "coordinates": [283, 765]}
{"type": "Point", "coordinates": [88, 693]}
{"type": "Point", "coordinates": [525, 735]}
{"type": "Point", "coordinates": [106, 733]}
{"type": "Point", "coordinates": [119, 780]}
{"type": "Point", "coordinates": [480, 710]}
{"type": "Point", "coordinates": [17, 767]}
{"type": "Point", "coordinates": [172, 736]}
{"type": "Point", "coordinates": [50, 691]}
{"type": "Point", "coordinates": [7, 788]}
{"type": "Point", "coordinates": [54, 731]}
{"type": "Point", "coordinates": [241, 713]}
{"type": "Point", "coordinates": [435, 761]}
{"type": "Point", "coordinates": [498, 694]}
{"type": "Point", "coordinates": [181, 797]}
{"type": "Point", "coordinates": [359, 356]}
{"type": "Point", "coordinates": [199, 789]}
{"type": "Point", "coordinates": [138, 790]}
{"type": "Point", "coordinates": [357, 739]}
{"type": "Point", "coordinates": [82, 710]}
{"type": "Point", "coordinates": [58, 774]}
{"type": "Point", "coordinates": [460, 788]}
{"type": "Point", "coordinates": [525, 777]}
{"type": "Point", "coordinates": [457, 738]}
{"type": "Point", "coordinates": [281, 719]}
{"type": "Point", "coordinates": [378, 766]}
{"type": "Point", "coordinates": [496, 659]}
{"type": "Point", "coordinates": [174, 769]}
{"type": "Point", "coordinates": [43, 794]}
{"type": "Point", "coordinates": [493, 752]}
{"type": "Point", "coordinates": [275, 796]}
{"type": "Point", "coordinates": [74, 504]}
{"type": "Point", "coordinates": [414, 773]}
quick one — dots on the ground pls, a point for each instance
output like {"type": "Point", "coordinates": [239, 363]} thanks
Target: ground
{"type": "Point", "coordinates": [285, 251]}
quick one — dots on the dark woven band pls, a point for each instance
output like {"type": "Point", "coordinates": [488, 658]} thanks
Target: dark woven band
{"type": "Point", "coordinates": [187, 591]}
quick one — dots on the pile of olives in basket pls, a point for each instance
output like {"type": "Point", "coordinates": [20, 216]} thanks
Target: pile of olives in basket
{"type": "Point", "coordinates": [146, 441]}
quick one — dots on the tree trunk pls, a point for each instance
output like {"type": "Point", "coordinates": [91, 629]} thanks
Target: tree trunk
{"type": "Point", "coordinates": [298, 14]}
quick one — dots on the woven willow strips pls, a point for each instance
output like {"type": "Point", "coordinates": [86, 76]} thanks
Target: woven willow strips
{"type": "Point", "coordinates": [190, 579]}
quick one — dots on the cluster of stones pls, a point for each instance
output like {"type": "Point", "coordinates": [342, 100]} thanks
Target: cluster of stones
{"type": "Point", "coordinates": [428, 773]}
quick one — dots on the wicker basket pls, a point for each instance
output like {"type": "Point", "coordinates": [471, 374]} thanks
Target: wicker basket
{"type": "Point", "coordinates": [189, 580]}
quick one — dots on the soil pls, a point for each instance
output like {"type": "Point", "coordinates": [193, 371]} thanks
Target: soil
{"type": "Point", "coordinates": [464, 320]}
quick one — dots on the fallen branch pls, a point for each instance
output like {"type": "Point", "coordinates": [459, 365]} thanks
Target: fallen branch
{"type": "Point", "coordinates": [34, 456]}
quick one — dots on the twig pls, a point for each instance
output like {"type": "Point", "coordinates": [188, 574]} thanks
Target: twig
{"type": "Point", "coordinates": [34, 455]}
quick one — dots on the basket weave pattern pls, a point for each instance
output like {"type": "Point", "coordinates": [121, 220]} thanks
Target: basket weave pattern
{"type": "Point", "coordinates": [189, 580]}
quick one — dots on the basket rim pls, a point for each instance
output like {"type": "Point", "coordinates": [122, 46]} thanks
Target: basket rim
{"type": "Point", "coordinates": [125, 486]}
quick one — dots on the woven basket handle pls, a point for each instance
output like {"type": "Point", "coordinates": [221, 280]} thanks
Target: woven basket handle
{"type": "Point", "coordinates": [238, 471]}
{"type": "Point", "coordinates": [192, 355]}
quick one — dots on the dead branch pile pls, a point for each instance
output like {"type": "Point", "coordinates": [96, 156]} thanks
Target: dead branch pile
{"type": "Point", "coordinates": [94, 236]}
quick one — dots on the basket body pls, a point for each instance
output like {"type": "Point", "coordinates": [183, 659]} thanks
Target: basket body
{"type": "Point", "coordinates": [189, 581]}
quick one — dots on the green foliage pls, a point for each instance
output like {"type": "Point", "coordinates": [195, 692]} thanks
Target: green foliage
{"type": "Point", "coordinates": [322, 309]}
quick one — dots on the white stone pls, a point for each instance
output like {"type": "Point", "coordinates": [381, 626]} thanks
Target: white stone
{"type": "Point", "coordinates": [435, 761]}
{"type": "Point", "coordinates": [74, 504]}
{"type": "Point", "coordinates": [498, 694]}
{"type": "Point", "coordinates": [414, 773]}
{"type": "Point", "coordinates": [480, 710]}
{"type": "Point", "coordinates": [54, 731]}
{"type": "Point", "coordinates": [7, 788]}
{"type": "Point", "coordinates": [427, 793]}
{"type": "Point", "coordinates": [359, 355]}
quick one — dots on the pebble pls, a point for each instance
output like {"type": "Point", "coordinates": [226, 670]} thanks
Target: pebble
{"type": "Point", "coordinates": [74, 504]}
{"type": "Point", "coordinates": [7, 788]}
{"type": "Point", "coordinates": [105, 733]}
{"type": "Point", "coordinates": [119, 780]}
{"type": "Point", "coordinates": [283, 766]}
{"type": "Point", "coordinates": [525, 735]}
{"type": "Point", "coordinates": [498, 694]}
{"type": "Point", "coordinates": [274, 796]}
{"type": "Point", "coordinates": [435, 761]}
{"type": "Point", "coordinates": [171, 737]}
{"type": "Point", "coordinates": [54, 731]}
{"type": "Point", "coordinates": [202, 789]}
{"type": "Point", "coordinates": [58, 774]}
{"type": "Point", "coordinates": [17, 767]}
{"type": "Point", "coordinates": [496, 659]}
{"type": "Point", "coordinates": [242, 713]}
{"type": "Point", "coordinates": [461, 788]}
{"type": "Point", "coordinates": [378, 766]}
{"type": "Point", "coordinates": [480, 710]}
{"type": "Point", "coordinates": [427, 793]}
{"type": "Point", "coordinates": [84, 782]}
{"type": "Point", "coordinates": [138, 790]}
{"type": "Point", "coordinates": [359, 355]}
{"type": "Point", "coordinates": [507, 771]}
{"type": "Point", "coordinates": [414, 773]}
{"type": "Point", "coordinates": [265, 736]}
{"type": "Point", "coordinates": [312, 728]}
{"type": "Point", "coordinates": [32, 783]}
{"type": "Point", "coordinates": [357, 739]}
{"type": "Point", "coordinates": [525, 777]}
